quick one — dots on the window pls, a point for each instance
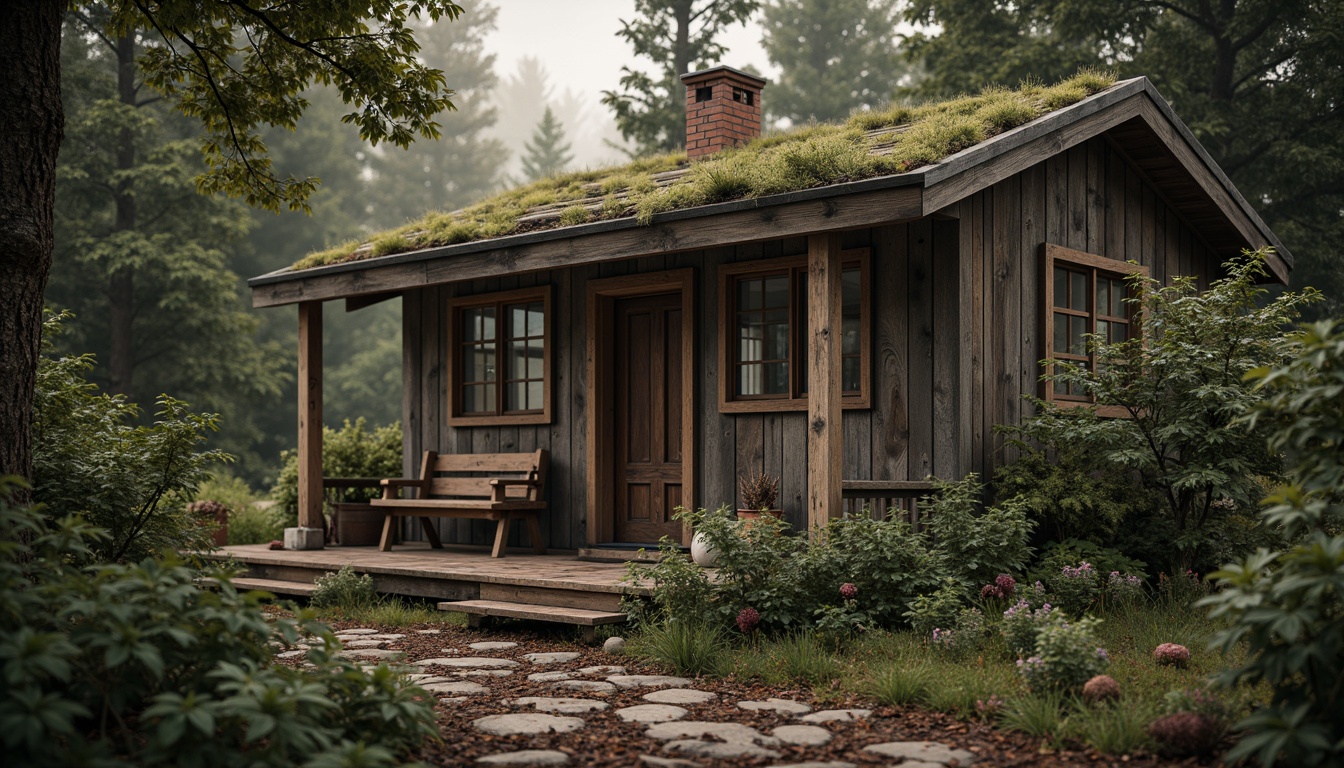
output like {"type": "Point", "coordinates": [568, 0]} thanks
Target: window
{"type": "Point", "coordinates": [763, 333]}
{"type": "Point", "coordinates": [500, 358]}
{"type": "Point", "coordinates": [1085, 294]}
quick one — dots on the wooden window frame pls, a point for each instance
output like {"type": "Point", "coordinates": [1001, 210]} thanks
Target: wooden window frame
{"type": "Point", "coordinates": [455, 306]}
{"type": "Point", "coordinates": [1094, 265]}
{"type": "Point", "coordinates": [729, 274]}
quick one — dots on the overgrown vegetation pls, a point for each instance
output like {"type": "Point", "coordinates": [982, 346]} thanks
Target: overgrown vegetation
{"type": "Point", "coordinates": [137, 665]}
{"type": "Point", "coordinates": [93, 460]}
{"type": "Point", "coordinates": [813, 156]}
{"type": "Point", "coordinates": [354, 450]}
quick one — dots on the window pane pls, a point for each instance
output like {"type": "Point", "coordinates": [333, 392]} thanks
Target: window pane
{"type": "Point", "coordinates": [478, 324]}
{"type": "Point", "coordinates": [1104, 330]}
{"type": "Point", "coordinates": [1061, 288]}
{"type": "Point", "coordinates": [517, 359]}
{"type": "Point", "coordinates": [534, 399]}
{"type": "Point", "coordinates": [750, 335]}
{"type": "Point", "coordinates": [749, 293]}
{"type": "Point", "coordinates": [1077, 329]}
{"type": "Point", "coordinates": [517, 320]}
{"type": "Point", "coordinates": [777, 292]}
{"type": "Point", "coordinates": [777, 378]}
{"type": "Point", "coordinates": [1119, 292]}
{"type": "Point", "coordinates": [536, 359]}
{"type": "Point", "coordinates": [849, 376]}
{"type": "Point", "coordinates": [750, 380]}
{"type": "Point", "coordinates": [1078, 291]}
{"type": "Point", "coordinates": [777, 334]}
{"type": "Point", "coordinates": [515, 396]}
{"type": "Point", "coordinates": [1060, 387]}
{"type": "Point", "coordinates": [478, 398]}
{"type": "Point", "coordinates": [536, 319]}
{"type": "Point", "coordinates": [478, 362]}
{"type": "Point", "coordinates": [1103, 295]}
{"type": "Point", "coordinates": [1119, 332]}
{"type": "Point", "coordinates": [850, 292]}
{"type": "Point", "coordinates": [1061, 332]}
{"type": "Point", "coordinates": [850, 337]}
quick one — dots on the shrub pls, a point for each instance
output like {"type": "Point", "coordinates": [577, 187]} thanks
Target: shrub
{"type": "Point", "coordinates": [1122, 590]}
{"type": "Point", "coordinates": [351, 451]}
{"type": "Point", "coordinates": [837, 624]}
{"type": "Point", "coordinates": [345, 590]}
{"type": "Point", "coordinates": [136, 665]}
{"type": "Point", "coordinates": [1181, 382]}
{"type": "Point", "coordinates": [91, 459]}
{"type": "Point", "coordinates": [973, 545]}
{"type": "Point", "coordinates": [1021, 625]}
{"type": "Point", "coordinates": [1286, 608]}
{"type": "Point", "coordinates": [965, 637]}
{"type": "Point", "coordinates": [1172, 655]}
{"type": "Point", "coordinates": [938, 610]}
{"type": "Point", "coordinates": [1101, 688]}
{"type": "Point", "coordinates": [1075, 588]}
{"type": "Point", "coordinates": [248, 522]}
{"type": "Point", "coordinates": [1067, 656]}
{"type": "Point", "coordinates": [1185, 734]}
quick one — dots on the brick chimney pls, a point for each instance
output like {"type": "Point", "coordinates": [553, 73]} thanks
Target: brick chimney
{"type": "Point", "coordinates": [723, 109]}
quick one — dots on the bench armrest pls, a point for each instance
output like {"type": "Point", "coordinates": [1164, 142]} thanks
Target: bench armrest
{"type": "Point", "coordinates": [391, 486]}
{"type": "Point", "coordinates": [499, 486]}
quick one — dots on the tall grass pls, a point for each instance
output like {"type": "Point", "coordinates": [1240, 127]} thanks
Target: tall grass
{"type": "Point", "coordinates": [900, 685]}
{"type": "Point", "coordinates": [689, 648]}
{"type": "Point", "coordinates": [1114, 729]}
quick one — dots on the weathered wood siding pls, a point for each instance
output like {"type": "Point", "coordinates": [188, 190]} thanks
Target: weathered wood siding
{"type": "Point", "coordinates": [956, 335]}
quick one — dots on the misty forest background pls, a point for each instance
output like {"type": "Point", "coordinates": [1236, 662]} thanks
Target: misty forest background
{"type": "Point", "coordinates": [154, 272]}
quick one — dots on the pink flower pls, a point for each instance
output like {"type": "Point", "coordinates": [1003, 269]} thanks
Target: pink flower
{"type": "Point", "coordinates": [1006, 584]}
{"type": "Point", "coordinates": [989, 590]}
{"type": "Point", "coordinates": [849, 591]}
{"type": "Point", "coordinates": [1172, 654]}
{"type": "Point", "coordinates": [747, 620]}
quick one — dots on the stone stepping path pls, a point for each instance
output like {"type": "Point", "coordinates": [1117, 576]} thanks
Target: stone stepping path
{"type": "Point", "coordinates": [682, 743]}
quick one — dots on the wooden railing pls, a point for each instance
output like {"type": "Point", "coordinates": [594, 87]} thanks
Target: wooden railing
{"type": "Point", "coordinates": [334, 489]}
{"type": "Point", "coordinates": [886, 498]}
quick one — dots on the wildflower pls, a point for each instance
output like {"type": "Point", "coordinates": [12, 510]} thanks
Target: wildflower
{"type": "Point", "coordinates": [849, 591]}
{"type": "Point", "coordinates": [1101, 688]}
{"type": "Point", "coordinates": [1172, 654]}
{"type": "Point", "coordinates": [747, 620]}
{"type": "Point", "coordinates": [1103, 655]}
{"type": "Point", "coordinates": [990, 707]}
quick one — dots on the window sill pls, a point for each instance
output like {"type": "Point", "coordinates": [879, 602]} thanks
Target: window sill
{"type": "Point", "coordinates": [1104, 411]}
{"type": "Point", "coordinates": [499, 421]}
{"type": "Point", "coordinates": [784, 406]}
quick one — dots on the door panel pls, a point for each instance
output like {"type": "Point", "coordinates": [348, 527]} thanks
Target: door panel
{"type": "Point", "coordinates": [648, 422]}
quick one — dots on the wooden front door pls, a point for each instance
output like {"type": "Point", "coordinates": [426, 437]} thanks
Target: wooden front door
{"type": "Point", "coordinates": [648, 420]}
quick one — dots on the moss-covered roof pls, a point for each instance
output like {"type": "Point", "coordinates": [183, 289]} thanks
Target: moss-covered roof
{"type": "Point", "coordinates": [868, 145]}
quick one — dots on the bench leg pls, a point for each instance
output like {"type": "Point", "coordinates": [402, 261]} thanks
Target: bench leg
{"type": "Point", "coordinates": [475, 621]}
{"type": "Point", "coordinates": [501, 537]}
{"type": "Point", "coordinates": [389, 524]}
{"type": "Point", "coordinates": [431, 533]}
{"type": "Point", "coordinates": [587, 635]}
{"type": "Point", "coordinates": [534, 533]}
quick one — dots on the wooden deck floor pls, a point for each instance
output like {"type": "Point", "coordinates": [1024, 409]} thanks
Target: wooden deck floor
{"type": "Point", "coordinates": [418, 561]}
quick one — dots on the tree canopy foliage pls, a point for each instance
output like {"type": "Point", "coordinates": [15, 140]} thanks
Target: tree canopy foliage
{"type": "Point", "coordinates": [548, 152]}
{"type": "Point", "coordinates": [672, 35]}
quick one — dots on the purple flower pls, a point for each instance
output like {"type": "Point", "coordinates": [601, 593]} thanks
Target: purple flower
{"type": "Point", "coordinates": [1006, 584]}
{"type": "Point", "coordinates": [747, 620]}
{"type": "Point", "coordinates": [849, 591]}
{"type": "Point", "coordinates": [1103, 655]}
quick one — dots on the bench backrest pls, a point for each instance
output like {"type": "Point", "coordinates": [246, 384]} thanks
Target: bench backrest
{"type": "Point", "coordinates": [468, 475]}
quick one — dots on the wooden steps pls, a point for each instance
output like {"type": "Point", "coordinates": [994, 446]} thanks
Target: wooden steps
{"type": "Point", "coordinates": [479, 612]}
{"type": "Point", "coordinates": [275, 586]}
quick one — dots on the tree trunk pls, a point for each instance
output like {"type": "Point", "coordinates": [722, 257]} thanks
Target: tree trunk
{"type": "Point", "coordinates": [30, 137]}
{"type": "Point", "coordinates": [121, 281]}
{"type": "Point", "coordinates": [681, 63]}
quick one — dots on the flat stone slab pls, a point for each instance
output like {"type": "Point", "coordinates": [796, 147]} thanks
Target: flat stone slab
{"type": "Point", "coordinates": [648, 681]}
{"type": "Point", "coordinates": [782, 706]}
{"type": "Point", "coordinates": [484, 673]}
{"type": "Point", "coordinates": [344, 632]}
{"type": "Point", "coordinates": [591, 686]}
{"type": "Point", "coordinates": [526, 757]}
{"type": "Point", "coordinates": [718, 749]}
{"type": "Point", "coordinates": [371, 654]}
{"type": "Point", "coordinates": [602, 670]}
{"type": "Point", "coordinates": [836, 715]}
{"type": "Point", "coordinates": [651, 713]}
{"type": "Point", "coordinates": [562, 704]}
{"type": "Point", "coordinates": [559, 657]}
{"type": "Point", "coordinates": [426, 679]}
{"type": "Point", "coordinates": [802, 735]}
{"type": "Point", "coordinates": [428, 631]}
{"type": "Point", "coordinates": [384, 636]}
{"type": "Point", "coordinates": [468, 662]}
{"type": "Point", "coordinates": [667, 762]}
{"type": "Point", "coordinates": [679, 696]}
{"type": "Point", "coordinates": [453, 700]}
{"type": "Point", "coordinates": [550, 677]}
{"type": "Point", "coordinates": [816, 764]}
{"type": "Point", "coordinates": [455, 687]}
{"type": "Point", "coordinates": [926, 751]}
{"type": "Point", "coordinates": [526, 724]}
{"type": "Point", "coordinates": [291, 654]}
{"type": "Point", "coordinates": [360, 642]}
{"type": "Point", "coordinates": [494, 645]}
{"type": "Point", "coordinates": [733, 733]}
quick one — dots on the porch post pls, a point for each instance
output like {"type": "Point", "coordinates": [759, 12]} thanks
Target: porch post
{"type": "Point", "coordinates": [824, 433]}
{"type": "Point", "coordinates": [309, 533]}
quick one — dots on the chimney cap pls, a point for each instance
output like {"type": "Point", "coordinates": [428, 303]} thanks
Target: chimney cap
{"type": "Point", "coordinates": [732, 73]}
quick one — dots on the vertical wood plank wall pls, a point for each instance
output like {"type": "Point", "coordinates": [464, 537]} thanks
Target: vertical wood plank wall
{"type": "Point", "coordinates": [956, 335]}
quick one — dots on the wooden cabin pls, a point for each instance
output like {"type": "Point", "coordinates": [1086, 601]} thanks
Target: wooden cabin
{"type": "Point", "coordinates": [854, 335]}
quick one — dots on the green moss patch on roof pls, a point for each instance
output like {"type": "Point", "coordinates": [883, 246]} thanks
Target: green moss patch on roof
{"type": "Point", "coordinates": [868, 145]}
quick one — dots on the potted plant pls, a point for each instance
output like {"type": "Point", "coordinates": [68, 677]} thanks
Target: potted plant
{"type": "Point", "coordinates": [760, 494]}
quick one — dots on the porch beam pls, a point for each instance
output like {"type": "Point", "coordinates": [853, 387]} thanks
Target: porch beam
{"type": "Point", "coordinates": [824, 389]}
{"type": "Point", "coordinates": [310, 414]}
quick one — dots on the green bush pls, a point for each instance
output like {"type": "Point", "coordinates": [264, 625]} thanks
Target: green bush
{"type": "Point", "coordinates": [1287, 607]}
{"type": "Point", "coordinates": [345, 591]}
{"type": "Point", "coordinates": [137, 665]}
{"type": "Point", "coordinates": [974, 545]}
{"type": "Point", "coordinates": [1181, 382]}
{"type": "Point", "coordinates": [351, 451]}
{"type": "Point", "coordinates": [91, 459]}
{"type": "Point", "coordinates": [1067, 655]}
{"type": "Point", "coordinates": [248, 523]}
{"type": "Point", "coordinates": [936, 610]}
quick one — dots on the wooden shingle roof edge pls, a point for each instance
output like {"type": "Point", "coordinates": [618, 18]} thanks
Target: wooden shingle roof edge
{"type": "Point", "coordinates": [867, 202]}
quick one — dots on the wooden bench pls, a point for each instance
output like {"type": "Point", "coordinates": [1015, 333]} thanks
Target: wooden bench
{"type": "Point", "coordinates": [480, 486]}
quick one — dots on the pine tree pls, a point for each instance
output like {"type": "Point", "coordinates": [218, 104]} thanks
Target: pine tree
{"type": "Point", "coordinates": [673, 34]}
{"type": "Point", "coordinates": [547, 153]}
{"type": "Point", "coordinates": [835, 56]}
